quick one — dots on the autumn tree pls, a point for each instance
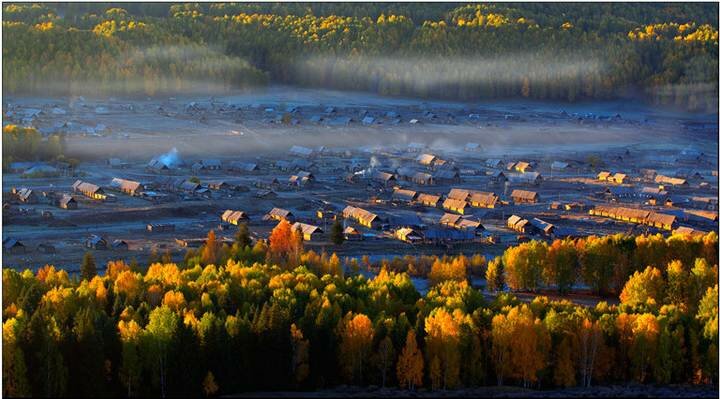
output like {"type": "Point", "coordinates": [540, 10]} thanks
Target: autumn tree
{"type": "Point", "coordinates": [385, 357]}
{"type": "Point", "coordinates": [410, 364]}
{"type": "Point", "coordinates": [562, 265]}
{"type": "Point", "coordinates": [130, 335]}
{"type": "Point", "coordinates": [522, 342]}
{"type": "Point", "coordinates": [524, 265]}
{"type": "Point", "coordinates": [644, 288]}
{"type": "Point", "coordinates": [355, 345]}
{"type": "Point", "coordinates": [589, 340]}
{"type": "Point", "coordinates": [645, 331]}
{"type": "Point", "coordinates": [300, 347]}
{"type": "Point", "coordinates": [158, 336]}
{"type": "Point", "coordinates": [442, 346]}
{"type": "Point", "coordinates": [495, 275]}
{"type": "Point", "coordinates": [210, 387]}
{"type": "Point", "coordinates": [209, 251]}
{"type": "Point", "coordinates": [281, 242]}
{"type": "Point", "coordinates": [564, 375]}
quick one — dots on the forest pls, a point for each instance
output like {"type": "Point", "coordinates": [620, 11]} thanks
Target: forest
{"type": "Point", "coordinates": [667, 53]}
{"type": "Point", "coordinates": [272, 316]}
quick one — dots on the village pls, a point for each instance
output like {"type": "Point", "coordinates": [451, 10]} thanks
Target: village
{"type": "Point", "coordinates": [426, 193]}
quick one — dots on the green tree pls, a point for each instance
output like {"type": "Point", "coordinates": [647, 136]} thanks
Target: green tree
{"type": "Point", "coordinates": [336, 233]}
{"type": "Point", "coordinates": [88, 269]}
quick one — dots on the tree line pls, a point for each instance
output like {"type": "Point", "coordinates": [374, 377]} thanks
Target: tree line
{"type": "Point", "coordinates": [271, 316]}
{"type": "Point", "coordinates": [27, 144]}
{"type": "Point", "coordinates": [481, 51]}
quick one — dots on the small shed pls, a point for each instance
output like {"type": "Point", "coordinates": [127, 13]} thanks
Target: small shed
{"type": "Point", "coordinates": [13, 246]}
{"type": "Point", "coordinates": [352, 234]}
{"type": "Point", "coordinates": [119, 245]}
{"type": "Point", "coordinates": [96, 242]}
{"type": "Point", "coordinates": [67, 202]}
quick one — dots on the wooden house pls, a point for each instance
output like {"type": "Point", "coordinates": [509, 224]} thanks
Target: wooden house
{"type": "Point", "coordinates": [279, 214]}
{"type": "Point", "coordinates": [309, 231]}
{"type": "Point", "coordinates": [89, 190]}
{"type": "Point", "coordinates": [455, 205]}
{"type": "Point", "coordinates": [524, 197]}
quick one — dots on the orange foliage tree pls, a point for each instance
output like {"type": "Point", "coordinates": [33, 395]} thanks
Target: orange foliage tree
{"type": "Point", "coordinates": [410, 364]}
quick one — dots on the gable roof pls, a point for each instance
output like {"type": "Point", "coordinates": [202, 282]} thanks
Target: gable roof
{"type": "Point", "coordinates": [85, 187]}
{"type": "Point", "coordinates": [359, 213]}
{"type": "Point", "coordinates": [232, 216]}
{"type": "Point", "coordinates": [459, 194]}
{"type": "Point", "coordinates": [428, 198]}
{"type": "Point", "coordinates": [307, 228]}
{"type": "Point", "coordinates": [279, 212]}
{"type": "Point", "coordinates": [449, 218]}
{"type": "Point", "coordinates": [425, 159]}
{"type": "Point", "coordinates": [403, 194]}
{"type": "Point", "coordinates": [524, 194]}
{"type": "Point", "coordinates": [125, 185]}
{"type": "Point", "coordinates": [450, 203]}
{"type": "Point", "coordinates": [483, 198]}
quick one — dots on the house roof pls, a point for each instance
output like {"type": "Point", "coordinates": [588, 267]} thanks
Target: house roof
{"type": "Point", "coordinates": [284, 213]}
{"type": "Point", "coordinates": [359, 213]}
{"type": "Point", "coordinates": [428, 198]}
{"type": "Point", "coordinates": [466, 223]}
{"type": "Point", "coordinates": [24, 193]}
{"type": "Point", "coordinates": [522, 165]}
{"type": "Point", "coordinates": [542, 225]}
{"type": "Point", "coordinates": [493, 162]}
{"type": "Point", "coordinates": [403, 194]}
{"type": "Point", "coordinates": [603, 175]}
{"type": "Point", "coordinates": [96, 239]}
{"type": "Point", "coordinates": [688, 231]}
{"type": "Point", "coordinates": [351, 230]}
{"type": "Point", "coordinates": [559, 165]}
{"type": "Point", "coordinates": [86, 187]}
{"type": "Point", "coordinates": [523, 194]}
{"type": "Point", "coordinates": [65, 199]}
{"type": "Point", "coordinates": [446, 174]}
{"type": "Point", "coordinates": [11, 242]}
{"type": "Point", "coordinates": [450, 219]}
{"type": "Point", "coordinates": [307, 228]}
{"type": "Point", "coordinates": [459, 194]}
{"type": "Point", "coordinates": [662, 179]}
{"type": "Point", "coordinates": [450, 203]}
{"type": "Point", "coordinates": [667, 220]}
{"type": "Point", "coordinates": [425, 159]}
{"type": "Point", "coordinates": [246, 166]}
{"type": "Point", "coordinates": [512, 220]}
{"type": "Point", "coordinates": [407, 232]}
{"type": "Point", "coordinates": [422, 177]}
{"type": "Point", "coordinates": [123, 184]}
{"type": "Point", "coordinates": [189, 186]}
{"type": "Point", "coordinates": [382, 176]}
{"type": "Point", "coordinates": [483, 198]}
{"type": "Point", "coordinates": [233, 216]}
